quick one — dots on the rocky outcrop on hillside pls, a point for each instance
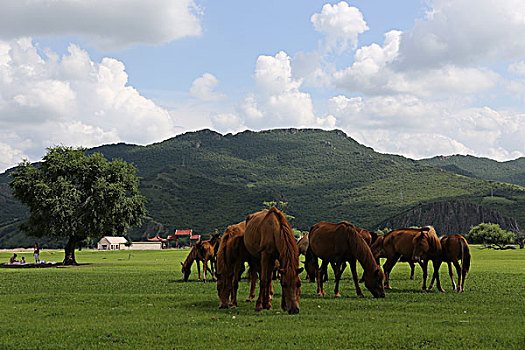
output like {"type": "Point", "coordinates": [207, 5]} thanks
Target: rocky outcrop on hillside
{"type": "Point", "coordinates": [449, 217]}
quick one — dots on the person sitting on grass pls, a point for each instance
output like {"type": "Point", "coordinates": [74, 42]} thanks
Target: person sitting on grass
{"type": "Point", "coordinates": [13, 259]}
{"type": "Point", "coordinates": [23, 260]}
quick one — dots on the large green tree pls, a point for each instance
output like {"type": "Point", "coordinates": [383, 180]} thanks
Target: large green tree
{"type": "Point", "coordinates": [75, 196]}
{"type": "Point", "coordinates": [490, 235]}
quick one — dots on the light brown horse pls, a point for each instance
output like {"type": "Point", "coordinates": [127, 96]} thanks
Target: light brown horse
{"type": "Point", "coordinates": [203, 251]}
{"type": "Point", "coordinates": [231, 257]}
{"type": "Point", "coordinates": [453, 249]}
{"type": "Point", "coordinates": [193, 256]}
{"type": "Point", "coordinates": [268, 237]}
{"type": "Point", "coordinates": [420, 245]}
{"type": "Point", "coordinates": [338, 244]}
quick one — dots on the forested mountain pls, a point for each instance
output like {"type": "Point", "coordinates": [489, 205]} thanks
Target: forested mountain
{"type": "Point", "coordinates": [206, 181]}
{"type": "Point", "coordinates": [512, 171]}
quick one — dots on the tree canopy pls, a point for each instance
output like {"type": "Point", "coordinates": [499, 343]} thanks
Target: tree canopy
{"type": "Point", "coordinates": [75, 196]}
{"type": "Point", "coordinates": [490, 235]}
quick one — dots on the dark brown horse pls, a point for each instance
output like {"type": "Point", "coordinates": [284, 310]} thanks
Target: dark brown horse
{"type": "Point", "coordinates": [268, 237]}
{"type": "Point", "coordinates": [338, 244]}
{"type": "Point", "coordinates": [231, 257]}
{"type": "Point", "coordinates": [420, 245]}
{"type": "Point", "coordinates": [453, 249]}
{"type": "Point", "coordinates": [377, 246]}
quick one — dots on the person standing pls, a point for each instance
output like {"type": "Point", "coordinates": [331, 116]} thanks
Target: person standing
{"type": "Point", "coordinates": [36, 253]}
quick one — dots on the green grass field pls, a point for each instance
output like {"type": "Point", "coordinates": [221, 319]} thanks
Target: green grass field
{"type": "Point", "coordinates": [128, 301]}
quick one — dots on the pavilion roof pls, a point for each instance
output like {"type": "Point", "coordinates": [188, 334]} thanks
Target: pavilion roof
{"type": "Point", "coordinates": [186, 232]}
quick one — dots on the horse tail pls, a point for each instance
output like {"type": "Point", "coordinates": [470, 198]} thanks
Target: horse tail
{"type": "Point", "coordinates": [465, 255]}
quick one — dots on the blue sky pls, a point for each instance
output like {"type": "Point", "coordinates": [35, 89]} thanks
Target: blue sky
{"type": "Point", "coordinates": [417, 78]}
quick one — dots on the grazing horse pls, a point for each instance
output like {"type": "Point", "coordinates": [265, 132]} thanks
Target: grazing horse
{"type": "Point", "coordinates": [377, 246]}
{"type": "Point", "coordinates": [420, 245]}
{"type": "Point", "coordinates": [453, 249]}
{"type": "Point", "coordinates": [338, 244]}
{"type": "Point", "coordinates": [193, 256]}
{"type": "Point", "coordinates": [231, 256]}
{"type": "Point", "coordinates": [268, 237]}
{"type": "Point", "coordinates": [203, 251]}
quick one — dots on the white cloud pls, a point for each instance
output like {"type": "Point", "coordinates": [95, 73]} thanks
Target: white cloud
{"type": "Point", "coordinates": [108, 24]}
{"type": "Point", "coordinates": [203, 88]}
{"type": "Point", "coordinates": [341, 24]}
{"type": "Point", "coordinates": [417, 128]}
{"type": "Point", "coordinates": [227, 122]}
{"type": "Point", "coordinates": [71, 100]}
{"type": "Point", "coordinates": [464, 33]}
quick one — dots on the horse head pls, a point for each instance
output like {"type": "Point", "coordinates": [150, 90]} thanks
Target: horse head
{"type": "Point", "coordinates": [186, 270]}
{"type": "Point", "coordinates": [421, 245]}
{"type": "Point", "coordinates": [224, 288]}
{"type": "Point", "coordinates": [291, 285]}
{"type": "Point", "coordinates": [374, 282]}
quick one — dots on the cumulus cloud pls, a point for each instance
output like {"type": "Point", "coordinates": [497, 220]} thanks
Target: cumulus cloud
{"type": "Point", "coordinates": [112, 23]}
{"type": "Point", "coordinates": [405, 124]}
{"type": "Point", "coordinates": [49, 100]}
{"type": "Point", "coordinates": [465, 32]}
{"type": "Point", "coordinates": [341, 24]}
{"type": "Point", "coordinates": [203, 88]}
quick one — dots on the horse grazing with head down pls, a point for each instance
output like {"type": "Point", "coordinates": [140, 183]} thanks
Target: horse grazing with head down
{"type": "Point", "coordinates": [453, 249]}
{"type": "Point", "coordinates": [338, 244]}
{"type": "Point", "coordinates": [268, 237]}
{"type": "Point", "coordinates": [377, 246]}
{"type": "Point", "coordinates": [203, 251]}
{"type": "Point", "coordinates": [231, 257]}
{"type": "Point", "coordinates": [421, 245]}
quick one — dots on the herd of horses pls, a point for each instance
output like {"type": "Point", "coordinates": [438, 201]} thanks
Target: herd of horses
{"type": "Point", "coordinates": [265, 242]}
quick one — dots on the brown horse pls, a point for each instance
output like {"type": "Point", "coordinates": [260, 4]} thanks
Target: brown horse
{"type": "Point", "coordinates": [203, 251]}
{"type": "Point", "coordinates": [453, 249]}
{"type": "Point", "coordinates": [231, 257]}
{"type": "Point", "coordinates": [421, 245]}
{"type": "Point", "coordinates": [338, 244]}
{"type": "Point", "coordinates": [377, 245]}
{"type": "Point", "coordinates": [193, 256]}
{"type": "Point", "coordinates": [268, 237]}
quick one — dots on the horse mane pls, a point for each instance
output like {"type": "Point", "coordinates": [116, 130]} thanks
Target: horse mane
{"type": "Point", "coordinates": [289, 253]}
{"type": "Point", "coordinates": [191, 257]}
{"type": "Point", "coordinates": [360, 248]}
{"type": "Point", "coordinates": [221, 252]}
{"type": "Point", "coordinates": [432, 237]}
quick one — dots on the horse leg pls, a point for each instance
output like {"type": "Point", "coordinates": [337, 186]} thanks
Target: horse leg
{"type": "Point", "coordinates": [204, 268]}
{"type": "Point", "coordinates": [199, 268]}
{"type": "Point", "coordinates": [267, 268]}
{"type": "Point", "coordinates": [320, 289]}
{"type": "Point", "coordinates": [337, 273]}
{"type": "Point", "coordinates": [412, 269]}
{"type": "Point", "coordinates": [253, 281]}
{"type": "Point", "coordinates": [354, 276]}
{"type": "Point", "coordinates": [458, 270]}
{"type": "Point", "coordinates": [436, 263]}
{"type": "Point", "coordinates": [387, 267]}
{"type": "Point", "coordinates": [424, 266]}
{"type": "Point", "coordinates": [451, 274]}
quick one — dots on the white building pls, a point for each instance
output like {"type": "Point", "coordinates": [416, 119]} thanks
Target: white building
{"type": "Point", "coordinates": [111, 243]}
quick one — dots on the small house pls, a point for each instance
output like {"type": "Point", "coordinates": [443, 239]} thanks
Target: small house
{"type": "Point", "coordinates": [111, 243]}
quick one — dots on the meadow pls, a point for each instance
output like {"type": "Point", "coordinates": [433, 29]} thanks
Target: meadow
{"type": "Point", "coordinates": [136, 299]}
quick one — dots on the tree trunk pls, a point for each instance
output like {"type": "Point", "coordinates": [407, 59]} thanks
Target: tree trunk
{"type": "Point", "coordinates": [70, 251]}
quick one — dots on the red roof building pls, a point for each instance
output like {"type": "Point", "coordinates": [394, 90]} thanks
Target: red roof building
{"type": "Point", "coordinates": [187, 232]}
{"type": "Point", "coordinates": [195, 237]}
{"type": "Point", "coordinates": [157, 238]}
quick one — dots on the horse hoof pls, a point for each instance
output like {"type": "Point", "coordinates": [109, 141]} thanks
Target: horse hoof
{"type": "Point", "coordinates": [442, 290]}
{"type": "Point", "coordinates": [338, 295]}
{"type": "Point", "coordinates": [233, 306]}
{"type": "Point", "coordinates": [411, 278]}
{"type": "Point", "coordinates": [360, 295]}
{"type": "Point", "coordinates": [248, 300]}
{"type": "Point", "coordinates": [388, 287]}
